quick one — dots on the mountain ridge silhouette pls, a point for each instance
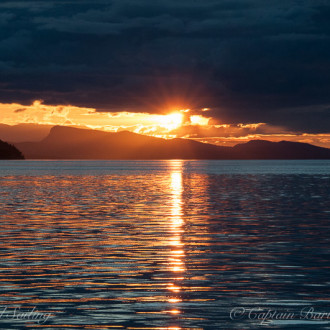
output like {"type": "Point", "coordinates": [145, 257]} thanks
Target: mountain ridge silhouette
{"type": "Point", "coordinates": [76, 143]}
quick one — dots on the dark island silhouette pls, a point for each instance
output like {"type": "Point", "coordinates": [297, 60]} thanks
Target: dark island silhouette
{"type": "Point", "coordinates": [8, 151]}
{"type": "Point", "coordinates": [76, 143]}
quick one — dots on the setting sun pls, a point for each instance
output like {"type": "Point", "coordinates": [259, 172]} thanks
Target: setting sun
{"type": "Point", "coordinates": [171, 121]}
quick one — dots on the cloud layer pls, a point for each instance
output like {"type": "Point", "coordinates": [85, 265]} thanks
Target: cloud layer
{"type": "Point", "coordinates": [250, 61]}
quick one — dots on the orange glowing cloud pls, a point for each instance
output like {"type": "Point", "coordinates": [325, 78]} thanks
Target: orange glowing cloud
{"type": "Point", "coordinates": [183, 123]}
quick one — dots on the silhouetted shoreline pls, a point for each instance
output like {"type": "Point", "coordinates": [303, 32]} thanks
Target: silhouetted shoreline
{"type": "Point", "coordinates": [8, 151]}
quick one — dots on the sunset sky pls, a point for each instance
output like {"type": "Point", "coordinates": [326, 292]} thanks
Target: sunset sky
{"type": "Point", "coordinates": [217, 71]}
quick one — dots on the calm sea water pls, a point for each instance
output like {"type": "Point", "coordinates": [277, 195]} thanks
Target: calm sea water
{"type": "Point", "coordinates": [164, 244]}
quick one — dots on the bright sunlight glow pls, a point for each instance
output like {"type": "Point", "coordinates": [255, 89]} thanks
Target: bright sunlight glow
{"type": "Point", "coordinates": [171, 121]}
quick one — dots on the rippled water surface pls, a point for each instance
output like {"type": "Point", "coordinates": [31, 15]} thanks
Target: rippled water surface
{"type": "Point", "coordinates": [164, 244]}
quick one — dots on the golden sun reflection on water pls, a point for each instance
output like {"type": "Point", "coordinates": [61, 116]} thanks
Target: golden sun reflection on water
{"type": "Point", "coordinates": [177, 254]}
{"type": "Point", "coordinates": [157, 245]}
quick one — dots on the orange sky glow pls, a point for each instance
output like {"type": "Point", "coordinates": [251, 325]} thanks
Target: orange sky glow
{"type": "Point", "coordinates": [179, 123]}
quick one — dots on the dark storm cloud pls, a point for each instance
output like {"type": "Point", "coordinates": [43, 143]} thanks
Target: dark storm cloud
{"type": "Point", "coordinates": [251, 60]}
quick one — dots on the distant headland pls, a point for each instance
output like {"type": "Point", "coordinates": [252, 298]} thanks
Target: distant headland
{"type": "Point", "coordinates": [76, 143]}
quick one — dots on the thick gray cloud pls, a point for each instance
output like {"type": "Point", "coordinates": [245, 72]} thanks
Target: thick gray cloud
{"type": "Point", "coordinates": [250, 61]}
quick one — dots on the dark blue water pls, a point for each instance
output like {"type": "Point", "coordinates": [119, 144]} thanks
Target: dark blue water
{"type": "Point", "coordinates": [165, 244]}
